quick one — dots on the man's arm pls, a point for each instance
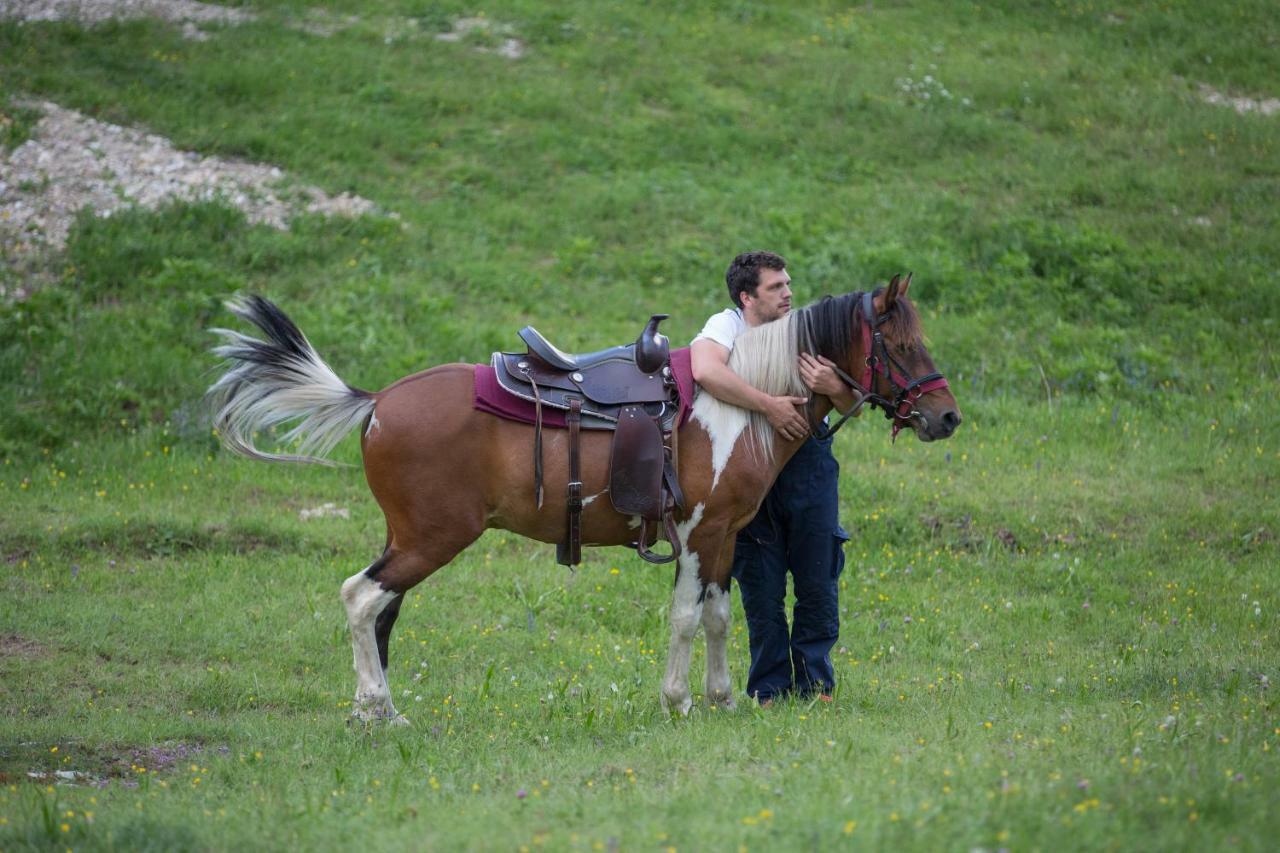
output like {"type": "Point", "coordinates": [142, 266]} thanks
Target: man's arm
{"type": "Point", "coordinates": [710, 362]}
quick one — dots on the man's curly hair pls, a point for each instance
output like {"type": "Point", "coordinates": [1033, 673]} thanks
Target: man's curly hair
{"type": "Point", "coordinates": [743, 275]}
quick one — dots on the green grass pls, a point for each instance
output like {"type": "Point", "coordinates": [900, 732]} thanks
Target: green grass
{"type": "Point", "coordinates": [1056, 627]}
{"type": "Point", "coordinates": [1104, 676]}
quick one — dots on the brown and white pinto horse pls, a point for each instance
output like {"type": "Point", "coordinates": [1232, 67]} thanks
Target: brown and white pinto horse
{"type": "Point", "coordinates": [443, 472]}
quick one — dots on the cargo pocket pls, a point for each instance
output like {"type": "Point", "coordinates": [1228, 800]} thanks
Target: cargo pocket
{"type": "Point", "coordinates": [838, 538]}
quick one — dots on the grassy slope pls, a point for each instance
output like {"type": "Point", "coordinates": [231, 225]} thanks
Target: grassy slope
{"type": "Point", "coordinates": [159, 593]}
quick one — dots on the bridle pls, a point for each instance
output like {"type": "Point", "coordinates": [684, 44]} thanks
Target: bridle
{"type": "Point", "coordinates": [902, 409]}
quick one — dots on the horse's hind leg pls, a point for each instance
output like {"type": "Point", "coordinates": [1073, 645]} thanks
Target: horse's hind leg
{"type": "Point", "coordinates": [368, 602]}
{"type": "Point", "coordinates": [373, 599]}
{"type": "Point", "coordinates": [382, 629]}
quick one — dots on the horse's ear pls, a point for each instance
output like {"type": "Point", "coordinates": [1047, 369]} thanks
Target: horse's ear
{"type": "Point", "coordinates": [902, 289]}
{"type": "Point", "coordinates": [890, 294]}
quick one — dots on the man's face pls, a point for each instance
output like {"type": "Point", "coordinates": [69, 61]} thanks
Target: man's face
{"type": "Point", "coordinates": [772, 299]}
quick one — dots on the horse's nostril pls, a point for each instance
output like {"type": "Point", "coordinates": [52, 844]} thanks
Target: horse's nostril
{"type": "Point", "coordinates": [951, 420]}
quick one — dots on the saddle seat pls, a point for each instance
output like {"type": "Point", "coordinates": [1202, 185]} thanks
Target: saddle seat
{"type": "Point", "coordinates": [628, 390]}
{"type": "Point", "coordinates": [557, 358]}
{"type": "Point", "coordinates": [649, 353]}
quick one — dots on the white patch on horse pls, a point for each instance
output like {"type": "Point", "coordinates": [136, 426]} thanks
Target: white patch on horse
{"type": "Point", "coordinates": [685, 528]}
{"type": "Point", "coordinates": [365, 598]}
{"type": "Point", "coordinates": [587, 501]}
{"type": "Point", "coordinates": [373, 422]}
{"type": "Point", "coordinates": [686, 610]}
{"type": "Point", "coordinates": [634, 522]}
{"type": "Point", "coordinates": [724, 423]}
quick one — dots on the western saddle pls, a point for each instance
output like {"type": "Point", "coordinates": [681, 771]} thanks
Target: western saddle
{"type": "Point", "coordinates": [629, 390]}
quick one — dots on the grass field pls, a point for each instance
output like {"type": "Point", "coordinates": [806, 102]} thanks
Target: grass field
{"type": "Point", "coordinates": [1058, 627]}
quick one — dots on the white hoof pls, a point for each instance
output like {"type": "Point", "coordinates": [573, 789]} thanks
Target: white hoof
{"type": "Point", "coordinates": [724, 701]}
{"type": "Point", "coordinates": [374, 709]}
{"type": "Point", "coordinates": [681, 705]}
{"type": "Point", "coordinates": [368, 719]}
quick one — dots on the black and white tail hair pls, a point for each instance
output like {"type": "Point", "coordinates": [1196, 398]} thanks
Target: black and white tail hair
{"type": "Point", "coordinates": [277, 380]}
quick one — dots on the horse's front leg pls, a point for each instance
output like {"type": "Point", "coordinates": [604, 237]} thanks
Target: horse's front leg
{"type": "Point", "coordinates": [686, 609]}
{"type": "Point", "coordinates": [698, 548]}
{"type": "Point", "coordinates": [715, 622]}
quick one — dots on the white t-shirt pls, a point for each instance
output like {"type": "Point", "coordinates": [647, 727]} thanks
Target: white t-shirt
{"type": "Point", "coordinates": [723, 328]}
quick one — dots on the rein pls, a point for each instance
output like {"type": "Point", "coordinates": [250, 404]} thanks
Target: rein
{"type": "Point", "coordinates": [901, 409]}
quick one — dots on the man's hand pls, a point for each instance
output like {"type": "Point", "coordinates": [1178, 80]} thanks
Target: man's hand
{"type": "Point", "coordinates": [819, 376]}
{"type": "Point", "coordinates": [782, 414]}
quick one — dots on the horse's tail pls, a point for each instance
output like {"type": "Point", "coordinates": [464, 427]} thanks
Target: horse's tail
{"type": "Point", "coordinates": [280, 379]}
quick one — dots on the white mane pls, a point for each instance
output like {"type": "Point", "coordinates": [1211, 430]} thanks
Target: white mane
{"type": "Point", "coordinates": [765, 358]}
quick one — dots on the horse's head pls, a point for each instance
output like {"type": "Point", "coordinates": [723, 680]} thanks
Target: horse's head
{"type": "Point", "coordinates": [900, 367]}
{"type": "Point", "coordinates": [877, 338]}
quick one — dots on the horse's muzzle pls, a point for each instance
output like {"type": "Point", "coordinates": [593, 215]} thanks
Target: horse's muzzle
{"type": "Point", "coordinates": [935, 426]}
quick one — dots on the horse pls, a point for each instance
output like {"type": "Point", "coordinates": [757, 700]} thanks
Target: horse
{"type": "Point", "coordinates": [442, 471]}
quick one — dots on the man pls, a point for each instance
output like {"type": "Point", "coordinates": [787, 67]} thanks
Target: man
{"type": "Point", "coordinates": [797, 527]}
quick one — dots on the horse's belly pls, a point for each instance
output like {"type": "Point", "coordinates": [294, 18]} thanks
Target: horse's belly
{"type": "Point", "coordinates": [515, 503]}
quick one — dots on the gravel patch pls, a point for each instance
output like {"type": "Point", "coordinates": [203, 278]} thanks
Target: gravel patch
{"type": "Point", "coordinates": [189, 14]}
{"type": "Point", "coordinates": [481, 34]}
{"type": "Point", "coordinates": [72, 162]}
{"type": "Point", "coordinates": [328, 510]}
{"type": "Point", "coordinates": [481, 29]}
{"type": "Point", "coordinates": [1265, 106]}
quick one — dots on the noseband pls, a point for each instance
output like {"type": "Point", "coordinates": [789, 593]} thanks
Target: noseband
{"type": "Point", "coordinates": [902, 408]}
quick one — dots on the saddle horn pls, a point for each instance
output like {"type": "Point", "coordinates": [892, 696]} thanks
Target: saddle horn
{"type": "Point", "coordinates": [652, 348]}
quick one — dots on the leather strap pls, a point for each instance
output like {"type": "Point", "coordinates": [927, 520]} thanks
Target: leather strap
{"type": "Point", "coordinates": [574, 496]}
{"type": "Point", "coordinates": [537, 439]}
{"type": "Point", "coordinates": [671, 483]}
